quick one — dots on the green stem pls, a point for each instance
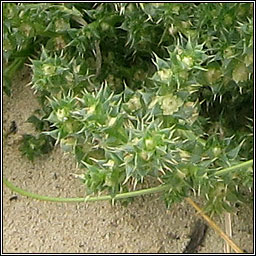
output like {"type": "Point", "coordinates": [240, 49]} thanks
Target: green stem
{"type": "Point", "coordinates": [157, 189]}
{"type": "Point", "coordinates": [235, 167]}
{"type": "Point", "coordinates": [20, 191]}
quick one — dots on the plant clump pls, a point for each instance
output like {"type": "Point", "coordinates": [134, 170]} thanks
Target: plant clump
{"type": "Point", "coordinates": [142, 90]}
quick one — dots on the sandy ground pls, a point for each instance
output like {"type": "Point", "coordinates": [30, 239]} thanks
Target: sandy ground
{"type": "Point", "coordinates": [145, 226]}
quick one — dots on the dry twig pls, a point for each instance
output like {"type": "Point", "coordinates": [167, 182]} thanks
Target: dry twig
{"type": "Point", "coordinates": [215, 227]}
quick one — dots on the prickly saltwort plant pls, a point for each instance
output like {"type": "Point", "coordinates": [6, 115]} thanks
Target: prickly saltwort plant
{"type": "Point", "coordinates": [144, 90]}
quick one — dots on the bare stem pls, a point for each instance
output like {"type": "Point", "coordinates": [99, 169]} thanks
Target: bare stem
{"type": "Point", "coordinates": [235, 167]}
{"type": "Point", "coordinates": [20, 191]}
{"type": "Point", "coordinates": [157, 189]}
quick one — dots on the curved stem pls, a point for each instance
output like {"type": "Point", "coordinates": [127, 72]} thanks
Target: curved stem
{"type": "Point", "coordinates": [20, 191]}
{"type": "Point", "coordinates": [157, 189]}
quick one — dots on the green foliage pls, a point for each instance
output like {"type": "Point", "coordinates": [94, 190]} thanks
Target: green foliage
{"type": "Point", "coordinates": [34, 146]}
{"type": "Point", "coordinates": [138, 90]}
